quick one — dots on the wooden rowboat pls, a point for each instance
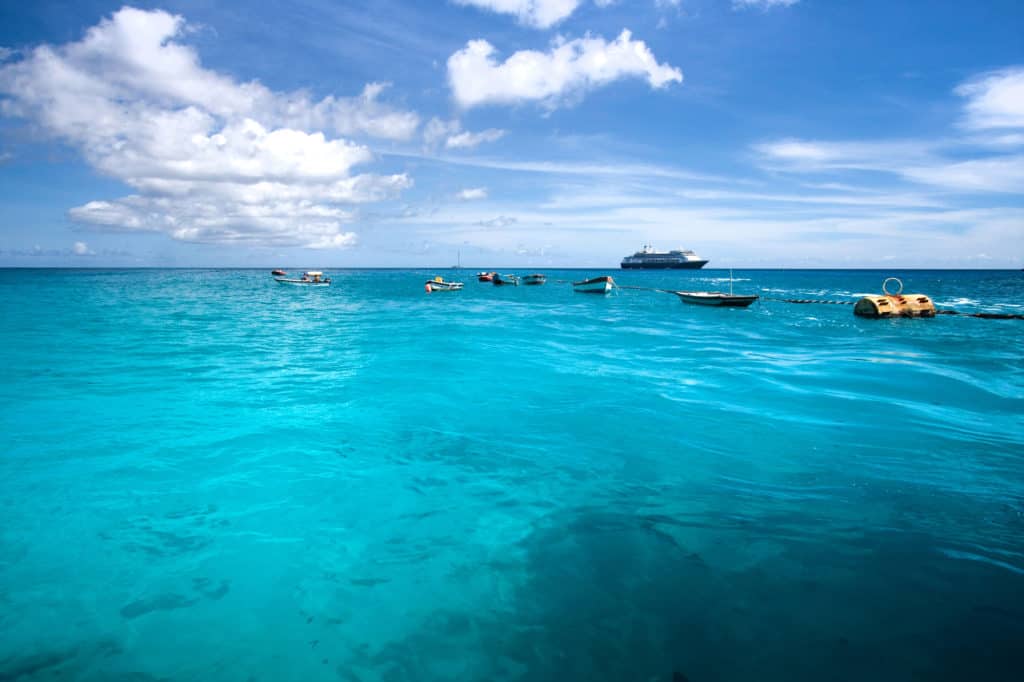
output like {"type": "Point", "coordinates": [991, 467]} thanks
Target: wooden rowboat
{"type": "Point", "coordinates": [715, 298]}
{"type": "Point", "coordinates": [595, 285]}
{"type": "Point", "coordinates": [505, 280]}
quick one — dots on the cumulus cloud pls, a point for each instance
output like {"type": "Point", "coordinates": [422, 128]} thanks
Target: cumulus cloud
{"type": "Point", "coordinates": [535, 13]}
{"type": "Point", "coordinates": [82, 249]}
{"type": "Point", "coordinates": [255, 166]}
{"type": "Point", "coordinates": [450, 132]}
{"type": "Point", "coordinates": [569, 68]}
{"type": "Point", "coordinates": [472, 193]}
{"type": "Point", "coordinates": [995, 99]}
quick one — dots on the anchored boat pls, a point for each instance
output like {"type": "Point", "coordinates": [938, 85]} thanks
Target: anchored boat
{"type": "Point", "coordinates": [505, 280]}
{"type": "Point", "coordinates": [439, 284]}
{"type": "Point", "coordinates": [485, 276]}
{"type": "Point", "coordinates": [595, 285]}
{"type": "Point", "coordinates": [535, 279]}
{"type": "Point", "coordinates": [717, 298]}
{"type": "Point", "coordinates": [313, 278]}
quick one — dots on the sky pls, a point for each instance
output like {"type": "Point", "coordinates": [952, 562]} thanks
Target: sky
{"type": "Point", "coordinates": [546, 133]}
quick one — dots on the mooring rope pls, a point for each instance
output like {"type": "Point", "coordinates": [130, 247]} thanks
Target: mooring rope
{"type": "Point", "coordinates": [808, 300]}
{"type": "Point", "coordinates": [983, 316]}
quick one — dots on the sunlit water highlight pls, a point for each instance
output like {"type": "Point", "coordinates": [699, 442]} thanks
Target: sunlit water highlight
{"type": "Point", "coordinates": [209, 476]}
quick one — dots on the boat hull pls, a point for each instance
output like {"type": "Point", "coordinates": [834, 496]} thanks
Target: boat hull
{"type": "Point", "coordinates": [505, 281]}
{"type": "Point", "coordinates": [714, 298]}
{"type": "Point", "coordinates": [682, 265]}
{"type": "Point", "coordinates": [444, 286]}
{"type": "Point", "coordinates": [598, 285]}
{"type": "Point", "coordinates": [534, 280]}
{"type": "Point", "coordinates": [300, 283]}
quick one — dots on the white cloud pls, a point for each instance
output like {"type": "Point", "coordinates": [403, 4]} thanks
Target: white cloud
{"type": "Point", "coordinates": [995, 99]}
{"type": "Point", "coordinates": [82, 249]}
{"type": "Point", "coordinates": [254, 165]}
{"type": "Point", "coordinates": [927, 163]}
{"type": "Point", "coordinates": [436, 130]}
{"type": "Point", "coordinates": [998, 174]}
{"type": "Point", "coordinates": [569, 68]}
{"type": "Point", "coordinates": [472, 193]}
{"type": "Point", "coordinates": [6, 53]}
{"type": "Point", "coordinates": [917, 162]}
{"type": "Point", "coordinates": [535, 13]}
{"type": "Point", "coordinates": [454, 137]}
{"type": "Point", "coordinates": [499, 221]}
{"type": "Point", "coordinates": [815, 155]}
{"type": "Point", "coordinates": [986, 159]}
{"type": "Point", "coordinates": [762, 4]}
{"type": "Point", "coordinates": [468, 140]}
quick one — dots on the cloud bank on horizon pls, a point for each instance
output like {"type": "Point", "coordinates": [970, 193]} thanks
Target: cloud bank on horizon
{"type": "Point", "coordinates": [571, 149]}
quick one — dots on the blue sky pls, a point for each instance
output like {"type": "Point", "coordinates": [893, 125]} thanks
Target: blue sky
{"type": "Point", "coordinates": [759, 133]}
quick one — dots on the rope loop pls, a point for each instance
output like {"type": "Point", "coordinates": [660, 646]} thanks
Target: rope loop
{"type": "Point", "coordinates": [885, 286]}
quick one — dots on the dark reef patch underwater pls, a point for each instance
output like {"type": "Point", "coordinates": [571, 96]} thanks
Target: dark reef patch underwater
{"type": "Point", "coordinates": [206, 477]}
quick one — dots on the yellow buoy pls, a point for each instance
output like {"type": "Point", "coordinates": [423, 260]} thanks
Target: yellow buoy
{"type": "Point", "coordinates": [895, 304]}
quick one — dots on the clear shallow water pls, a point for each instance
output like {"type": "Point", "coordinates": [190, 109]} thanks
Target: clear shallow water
{"type": "Point", "coordinates": [208, 476]}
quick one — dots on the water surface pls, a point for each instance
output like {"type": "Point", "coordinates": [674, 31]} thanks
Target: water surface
{"type": "Point", "coordinates": [209, 476]}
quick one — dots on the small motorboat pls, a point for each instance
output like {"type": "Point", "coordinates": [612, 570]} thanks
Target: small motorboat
{"type": "Point", "coordinates": [485, 276]}
{"type": "Point", "coordinates": [717, 298]}
{"type": "Point", "coordinates": [313, 278]}
{"type": "Point", "coordinates": [439, 284]}
{"type": "Point", "coordinates": [505, 280]}
{"type": "Point", "coordinates": [535, 279]}
{"type": "Point", "coordinates": [595, 285]}
{"type": "Point", "coordinates": [279, 273]}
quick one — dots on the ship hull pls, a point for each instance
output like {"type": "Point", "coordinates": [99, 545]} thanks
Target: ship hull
{"type": "Point", "coordinates": [685, 265]}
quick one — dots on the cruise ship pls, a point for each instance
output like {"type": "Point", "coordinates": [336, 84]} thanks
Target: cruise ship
{"type": "Point", "coordinates": [649, 259]}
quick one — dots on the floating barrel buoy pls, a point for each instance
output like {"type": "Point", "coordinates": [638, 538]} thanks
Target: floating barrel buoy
{"type": "Point", "coordinates": [894, 304]}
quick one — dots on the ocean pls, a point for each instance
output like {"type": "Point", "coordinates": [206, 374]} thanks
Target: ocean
{"type": "Point", "coordinates": [208, 476]}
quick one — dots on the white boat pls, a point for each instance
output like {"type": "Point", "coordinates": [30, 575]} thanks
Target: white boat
{"type": "Point", "coordinates": [595, 285]}
{"type": "Point", "coordinates": [313, 278]}
{"type": "Point", "coordinates": [439, 284]}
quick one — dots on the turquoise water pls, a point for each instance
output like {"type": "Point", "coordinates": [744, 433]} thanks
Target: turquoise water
{"type": "Point", "coordinates": [209, 476]}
